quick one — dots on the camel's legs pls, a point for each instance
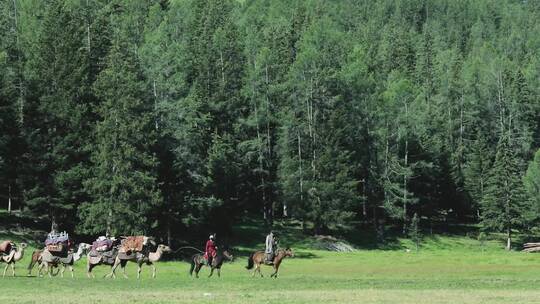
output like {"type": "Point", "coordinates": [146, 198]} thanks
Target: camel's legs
{"type": "Point", "coordinates": [113, 274]}
{"type": "Point", "coordinates": [71, 269]}
{"type": "Point", "coordinates": [219, 272]}
{"type": "Point", "coordinates": [40, 269]}
{"type": "Point", "coordinates": [153, 270]}
{"type": "Point", "coordinates": [89, 273]}
{"type": "Point", "coordinates": [5, 269]}
{"type": "Point", "coordinates": [62, 270]}
{"type": "Point", "coordinates": [259, 269]}
{"type": "Point", "coordinates": [13, 269]}
{"type": "Point", "coordinates": [139, 268]}
{"type": "Point", "coordinates": [113, 269]}
{"type": "Point", "coordinates": [211, 271]}
{"type": "Point", "coordinates": [124, 271]}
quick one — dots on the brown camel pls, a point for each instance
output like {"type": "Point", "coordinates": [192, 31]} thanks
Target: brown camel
{"type": "Point", "coordinates": [258, 258]}
{"type": "Point", "coordinates": [140, 259]}
{"type": "Point", "coordinates": [15, 255]}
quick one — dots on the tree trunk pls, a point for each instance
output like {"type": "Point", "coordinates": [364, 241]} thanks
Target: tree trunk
{"type": "Point", "coordinates": [508, 238]}
{"type": "Point", "coordinates": [9, 200]}
{"type": "Point", "coordinates": [406, 163]}
{"type": "Point", "coordinates": [54, 225]}
{"type": "Point", "coordinates": [169, 235]}
{"type": "Point", "coordinates": [300, 168]}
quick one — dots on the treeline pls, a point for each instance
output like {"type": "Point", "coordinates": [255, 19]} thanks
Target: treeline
{"type": "Point", "coordinates": [160, 116]}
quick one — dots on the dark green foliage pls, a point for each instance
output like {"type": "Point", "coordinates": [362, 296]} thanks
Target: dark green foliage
{"type": "Point", "coordinates": [531, 181]}
{"type": "Point", "coordinates": [503, 206]}
{"type": "Point", "coordinates": [160, 117]}
{"type": "Point", "coordinates": [123, 175]}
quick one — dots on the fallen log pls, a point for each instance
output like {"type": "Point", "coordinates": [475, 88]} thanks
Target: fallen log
{"type": "Point", "coordinates": [532, 249]}
{"type": "Point", "coordinates": [527, 245]}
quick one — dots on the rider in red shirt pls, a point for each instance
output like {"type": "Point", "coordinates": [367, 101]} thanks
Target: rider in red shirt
{"type": "Point", "coordinates": [211, 249]}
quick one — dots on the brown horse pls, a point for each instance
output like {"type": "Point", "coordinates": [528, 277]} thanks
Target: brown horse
{"type": "Point", "coordinates": [258, 258]}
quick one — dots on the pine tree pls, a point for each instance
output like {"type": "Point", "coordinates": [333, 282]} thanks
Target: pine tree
{"type": "Point", "coordinates": [11, 94]}
{"type": "Point", "coordinates": [398, 135]}
{"type": "Point", "coordinates": [123, 182]}
{"type": "Point", "coordinates": [59, 132]}
{"type": "Point", "coordinates": [502, 207]}
{"type": "Point", "coordinates": [531, 181]}
{"type": "Point", "coordinates": [476, 171]}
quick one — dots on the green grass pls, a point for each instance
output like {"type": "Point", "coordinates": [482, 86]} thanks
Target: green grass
{"type": "Point", "coordinates": [447, 269]}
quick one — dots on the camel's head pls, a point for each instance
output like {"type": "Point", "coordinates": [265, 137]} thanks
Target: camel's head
{"type": "Point", "coordinates": [84, 247]}
{"type": "Point", "coordinates": [164, 248]}
{"type": "Point", "coordinates": [23, 245]}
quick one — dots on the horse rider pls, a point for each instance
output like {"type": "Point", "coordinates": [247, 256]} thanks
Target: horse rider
{"type": "Point", "coordinates": [271, 246]}
{"type": "Point", "coordinates": [211, 248]}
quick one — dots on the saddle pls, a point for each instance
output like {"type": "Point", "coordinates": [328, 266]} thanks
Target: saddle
{"type": "Point", "coordinates": [269, 259]}
{"type": "Point", "coordinates": [128, 255]}
{"type": "Point", "coordinates": [49, 257]}
{"type": "Point", "coordinates": [106, 257]}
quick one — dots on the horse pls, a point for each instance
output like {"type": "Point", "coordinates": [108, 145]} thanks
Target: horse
{"type": "Point", "coordinates": [258, 258]}
{"type": "Point", "coordinates": [198, 261]}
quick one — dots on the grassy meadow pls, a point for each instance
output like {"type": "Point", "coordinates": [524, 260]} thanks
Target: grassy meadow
{"type": "Point", "coordinates": [446, 269]}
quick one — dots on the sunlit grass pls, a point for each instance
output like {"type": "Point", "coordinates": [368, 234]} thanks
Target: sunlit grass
{"type": "Point", "coordinates": [445, 270]}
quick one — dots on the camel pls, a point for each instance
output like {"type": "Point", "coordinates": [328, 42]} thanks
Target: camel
{"type": "Point", "coordinates": [14, 256]}
{"type": "Point", "coordinates": [105, 258]}
{"type": "Point", "coordinates": [140, 259]}
{"type": "Point", "coordinates": [51, 261]}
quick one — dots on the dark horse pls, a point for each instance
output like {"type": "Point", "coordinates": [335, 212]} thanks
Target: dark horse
{"type": "Point", "coordinates": [258, 258]}
{"type": "Point", "coordinates": [198, 261]}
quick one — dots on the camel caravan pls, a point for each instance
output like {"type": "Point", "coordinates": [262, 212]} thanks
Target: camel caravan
{"type": "Point", "coordinates": [60, 254]}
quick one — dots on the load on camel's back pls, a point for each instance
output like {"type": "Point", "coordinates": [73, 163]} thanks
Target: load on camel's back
{"type": "Point", "coordinates": [103, 244]}
{"type": "Point", "coordinates": [57, 243]}
{"type": "Point", "coordinates": [134, 244]}
{"type": "Point", "coordinates": [5, 247]}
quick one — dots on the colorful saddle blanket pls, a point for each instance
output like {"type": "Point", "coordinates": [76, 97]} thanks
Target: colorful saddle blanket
{"type": "Point", "coordinates": [134, 243]}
